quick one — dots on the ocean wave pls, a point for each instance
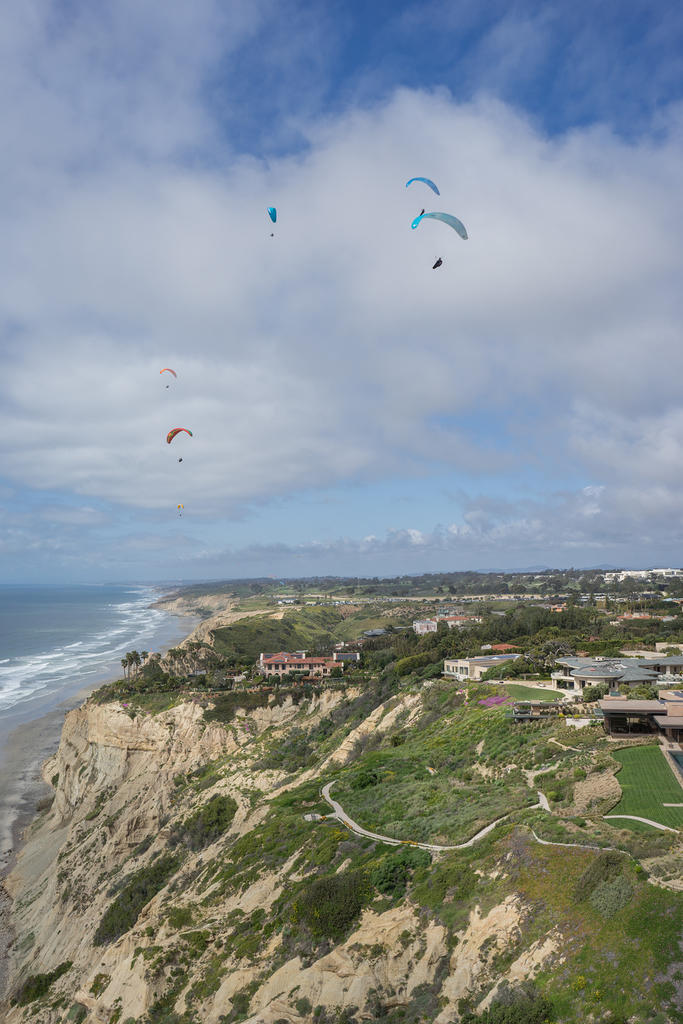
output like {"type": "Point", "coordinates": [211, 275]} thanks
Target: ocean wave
{"type": "Point", "coordinates": [70, 666]}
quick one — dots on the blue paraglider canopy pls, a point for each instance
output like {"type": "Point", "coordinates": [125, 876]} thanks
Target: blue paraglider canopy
{"type": "Point", "coordinates": [272, 213]}
{"type": "Point", "coordinates": [447, 218]}
{"type": "Point", "coordinates": [427, 182]}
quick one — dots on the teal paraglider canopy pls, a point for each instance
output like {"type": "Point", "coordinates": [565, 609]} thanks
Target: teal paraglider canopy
{"type": "Point", "coordinates": [272, 213]}
{"type": "Point", "coordinates": [427, 181]}
{"type": "Point", "coordinates": [447, 218]}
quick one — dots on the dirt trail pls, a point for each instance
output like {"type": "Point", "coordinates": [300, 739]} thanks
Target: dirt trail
{"type": "Point", "coordinates": [342, 816]}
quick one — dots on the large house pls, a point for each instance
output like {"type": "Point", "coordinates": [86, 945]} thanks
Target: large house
{"type": "Point", "coordinates": [284, 661]}
{"type": "Point", "coordinates": [474, 668]}
{"type": "Point", "coordinates": [664, 715]}
{"type": "Point", "coordinates": [422, 626]}
{"type": "Point", "coordinates": [576, 674]}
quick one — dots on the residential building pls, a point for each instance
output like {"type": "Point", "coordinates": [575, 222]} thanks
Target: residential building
{"type": "Point", "coordinates": [474, 668]}
{"type": "Point", "coordinates": [283, 662]}
{"type": "Point", "coordinates": [459, 621]}
{"type": "Point", "coordinates": [577, 673]}
{"type": "Point", "coordinates": [663, 716]}
{"type": "Point", "coordinates": [346, 656]}
{"type": "Point", "coordinates": [422, 626]}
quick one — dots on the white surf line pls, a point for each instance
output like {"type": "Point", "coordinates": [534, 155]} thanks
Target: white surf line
{"type": "Point", "coordinates": [645, 821]}
{"type": "Point", "coordinates": [353, 826]}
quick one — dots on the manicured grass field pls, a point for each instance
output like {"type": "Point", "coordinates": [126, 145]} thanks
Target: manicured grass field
{"type": "Point", "coordinates": [647, 783]}
{"type": "Point", "coordinates": [520, 692]}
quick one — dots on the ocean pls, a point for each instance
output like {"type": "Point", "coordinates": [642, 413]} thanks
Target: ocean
{"type": "Point", "coordinates": [56, 642]}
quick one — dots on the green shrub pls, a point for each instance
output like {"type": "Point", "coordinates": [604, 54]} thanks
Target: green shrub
{"type": "Point", "coordinates": [77, 1013]}
{"type": "Point", "coordinates": [290, 753]}
{"type": "Point", "coordinates": [240, 1004]}
{"type": "Point", "coordinates": [36, 985]}
{"type": "Point", "coordinates": [99, 984]}
{"type": "Point", "coordinates": [365, 777]}
{"type": "Point", "coordinates": [137, 890]}
{"type": "Point", "coordinates": [524, 1005]}
{"type": "Point", "coordinates": [414, 661]}
{"type": "Point", "coordinates": [180, 917]}
{"type": "Point", "coordinates": [329, 905]}
{"type": "Point", "coordinates": [607, 866]}
{"type": "Point", "coordinates": [391, 875]}
{"type": "Point", "coordinates": [609, 898]}
{"type": "Point", "coordinates": [206, 824]}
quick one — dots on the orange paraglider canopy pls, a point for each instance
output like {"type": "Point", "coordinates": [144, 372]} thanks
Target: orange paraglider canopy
{"type": "Point", "coordinates": [176, 430]}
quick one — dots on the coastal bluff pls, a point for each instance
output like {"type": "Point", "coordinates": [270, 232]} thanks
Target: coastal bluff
{"type": "Point", "coordinates": [188, 869]}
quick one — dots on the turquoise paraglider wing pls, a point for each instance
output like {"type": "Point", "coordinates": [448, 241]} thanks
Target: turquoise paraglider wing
{"type": "Point", "coordinates": [447, 218]}
{"type": "Point", "coordinates": [427, 182]}
{"type": "Point", "coordinates": [272, 213]}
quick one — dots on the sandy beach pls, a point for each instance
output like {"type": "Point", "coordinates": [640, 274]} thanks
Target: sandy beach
{"type": "Point", "coordinates": [24, 748]}
{"type": "Point", "coordinates": [21, 790]}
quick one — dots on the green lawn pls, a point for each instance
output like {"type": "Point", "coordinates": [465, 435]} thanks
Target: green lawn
{"type": "Point", "coordinates": [520, 692]}
{"type": "Point", "coordinates": [647, 783]}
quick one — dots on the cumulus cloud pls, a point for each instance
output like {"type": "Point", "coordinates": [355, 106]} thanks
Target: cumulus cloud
{"type": "Point", "coordinates": [325, 353]}
{"type": "Point", "coordinates": [136, 237]}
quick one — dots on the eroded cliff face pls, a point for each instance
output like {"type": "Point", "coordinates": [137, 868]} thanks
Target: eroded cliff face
{"type": "Point", "coordinates": [117, 800]}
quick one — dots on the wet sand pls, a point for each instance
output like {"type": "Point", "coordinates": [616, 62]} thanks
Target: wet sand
{"type": "Point", "coordinates": [24, 748]}
{"type": "Point", "coordinates": [22, 788]}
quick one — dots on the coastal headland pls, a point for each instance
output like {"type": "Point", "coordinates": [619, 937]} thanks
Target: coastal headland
{"type": "Point", "coordinates": [188, 868]}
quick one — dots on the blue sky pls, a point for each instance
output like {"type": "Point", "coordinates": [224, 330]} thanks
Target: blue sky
{"type": "Point", "coordinates": [352, 410]}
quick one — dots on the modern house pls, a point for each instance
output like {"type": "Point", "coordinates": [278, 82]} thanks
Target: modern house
{"type": "Point", "coordinates": [576, 674]}
{"type": "Point", "coordinates": [663, 716]}
{"type": "Point", "coordinates": [474, 668]}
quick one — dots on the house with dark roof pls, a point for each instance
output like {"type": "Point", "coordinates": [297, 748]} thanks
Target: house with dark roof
{"type": "Point", "coordinates": [575, 674]}
{"type": "Point", "coordinates": [663, 716]}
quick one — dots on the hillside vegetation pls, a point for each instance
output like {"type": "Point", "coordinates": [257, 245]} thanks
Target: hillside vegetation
{"type": "Point", "coordinates": [190, 869]}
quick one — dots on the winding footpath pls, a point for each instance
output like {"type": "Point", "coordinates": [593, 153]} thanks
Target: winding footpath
{"type": "Point", "coordinates": [353, 826]}
{"type": "Point", "coordinates": [645, 821]}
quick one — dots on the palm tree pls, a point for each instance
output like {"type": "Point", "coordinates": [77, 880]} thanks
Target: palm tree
{"type": "Point", "coordinates": [125, 663]}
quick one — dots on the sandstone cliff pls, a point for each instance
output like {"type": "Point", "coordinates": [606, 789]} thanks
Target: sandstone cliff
{"type": "Point", "coordinates": [218, 941]}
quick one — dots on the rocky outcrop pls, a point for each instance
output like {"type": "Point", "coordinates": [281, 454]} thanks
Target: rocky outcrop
{"type": "Point", "coordinates": [381, 720]}
{"type": "Point", "coordinates": [388, 953]}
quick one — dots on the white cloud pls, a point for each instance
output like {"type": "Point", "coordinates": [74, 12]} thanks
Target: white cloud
{"type": "Point", "coordinates": [325, 353]}
{"type": "Point", "coordinates": [331, 352]}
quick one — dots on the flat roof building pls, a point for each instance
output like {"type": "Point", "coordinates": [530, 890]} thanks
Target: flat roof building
{"type": "Point", "coordinates": [663, 716]}
{"type": "Point", "coordinates": [474, 668]}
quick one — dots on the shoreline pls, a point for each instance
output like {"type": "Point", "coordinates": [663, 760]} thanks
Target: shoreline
{"type": "Point", "coordinates": [26, 747]}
